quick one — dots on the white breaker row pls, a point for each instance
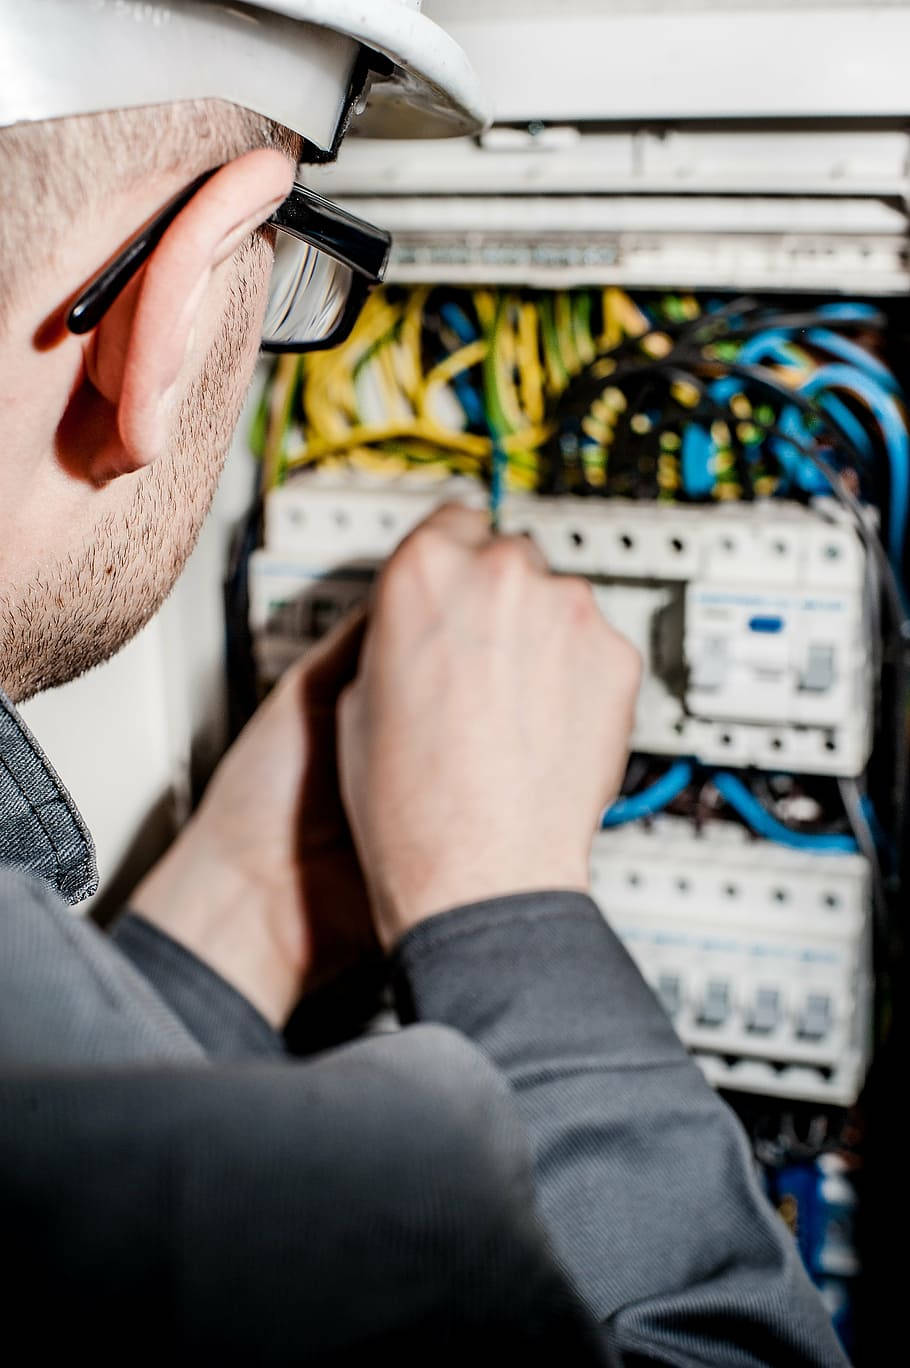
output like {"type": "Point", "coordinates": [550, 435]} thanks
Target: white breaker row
{"type": "Point", "coordinates": [752, 619]}
{"type": "Point", "coordinates": [752, 622]}
{"type": "Point", "coordinates": [764, 966]}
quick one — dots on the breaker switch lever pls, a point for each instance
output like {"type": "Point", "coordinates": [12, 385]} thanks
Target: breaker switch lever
{"type": "Point", "coordinates": [715, 1007]}
{"type": "Point", "coordinates": [815, 1018]}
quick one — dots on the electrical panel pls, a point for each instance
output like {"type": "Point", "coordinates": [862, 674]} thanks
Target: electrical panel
{"type": "Point", "coordinates": [751, 619]}
{"type": "Point", "coordinates": [763, 965]}
{"type": "Point", "coordinates": [753, 624]}
{"type": "Point", "coordinates": [653, 317]}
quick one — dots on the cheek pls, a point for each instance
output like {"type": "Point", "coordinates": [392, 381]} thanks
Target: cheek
{"type": "Point", "coordinates": [254, 272]}
{"type": "Point", "coordinates": [229, 330]}
{"type": "Point", "coordinates": [244, 311]}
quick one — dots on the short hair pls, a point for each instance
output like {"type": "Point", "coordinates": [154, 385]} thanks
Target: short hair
{"type": "Point", "coordinates": [55, 172]}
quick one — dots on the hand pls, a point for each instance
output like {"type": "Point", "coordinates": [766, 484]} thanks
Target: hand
{"type": "Point", "coordinates": [488, 725]}
{"type": "Point", "coordinates": [264, 884]}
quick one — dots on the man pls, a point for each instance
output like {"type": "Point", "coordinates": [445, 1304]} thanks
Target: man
{"type": "Point", "coordinates": [172, 1182]}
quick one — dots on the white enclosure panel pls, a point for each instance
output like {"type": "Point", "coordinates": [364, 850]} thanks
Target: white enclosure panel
{"type": "Point", "coordinates": [571, 160]}
{"type": "Point", "coordinates": [750, 242]}
{"type": "Point", "coordinates": [690, 59]}
{"type": "Point", "coordinates": [660, 144]}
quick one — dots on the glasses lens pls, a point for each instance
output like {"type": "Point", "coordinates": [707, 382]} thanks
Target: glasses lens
{"type": "Point", "coordinates": [309, 291]}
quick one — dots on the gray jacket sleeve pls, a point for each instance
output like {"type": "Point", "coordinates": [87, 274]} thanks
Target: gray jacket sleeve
{"type": "Point", "coordinates": [68, 998]}
{"type": "Point", "coordinates": [224, 1023]}
{"type": "Point", "coordinates": [374, 1202]}
{"type": "Point", "coordinates": [643, 1174]}
{"type": "Point", "coordinates": [162, 1202]}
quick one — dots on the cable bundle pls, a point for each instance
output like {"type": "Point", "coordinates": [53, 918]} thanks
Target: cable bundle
{"type": "Point", "coordinates": [593, 392]}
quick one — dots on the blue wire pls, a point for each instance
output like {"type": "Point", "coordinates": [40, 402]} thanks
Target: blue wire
{"type": "Point", "coordinates": [795, 462]}
{"type": "Point", "coordinates": [652, 799]}
{"type": "Point", "coordinates": [848, 423]}
{"type": "Point", "coordinates": [888, 417]}
{"type": "Point", "coordinates": [698, 448]}
{"type": "Point", "coordinates": [771, 345]}
{"type": "Point", "coordinates": [846, 311]}
{"type": "Point", "coordinates": [796, 465]}
{"type": "Point", "coordinates": [498, 469]}
{"type": "Point", "coordinates": [695, 462]}
{"type": "Point", "coordinates": [456, 318]}
{"type": "Point", "coordinates": [469, 399]}
{"type": "Point", "coordinates": [847, 350]}
{"type": "Point", "coordinates": [774, 340]}
{"type": "Point", "coordinates": [734, 792]}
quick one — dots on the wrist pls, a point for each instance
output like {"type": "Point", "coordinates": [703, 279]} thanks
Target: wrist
{"type": "Point", "coordinates": [399, 905]}
{"type": "Point", "coordinates": [211, 906]}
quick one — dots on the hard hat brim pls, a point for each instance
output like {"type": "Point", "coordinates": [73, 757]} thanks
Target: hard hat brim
{"type": "Point", "coordinates": [290, 60]}
{"type": "Point", "coordinates": [432, 90]}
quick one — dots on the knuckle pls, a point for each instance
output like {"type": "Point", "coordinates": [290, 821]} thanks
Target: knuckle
{"type": "Point", "coordinates": [534, 550]}
{"type": "Point", "coordinates": [505, 559]}
{"type": "Point", "coordinates": [626, 664]}
{"type": "Point", "coordinates": [452, 513]}
{"type": "Point", "coordinates": [395, 575]}
{"type": "Point", "coordinates": [418, 554]}
{"type": "Point", "coordinates": [635, 666]}
{"type": "Point", "coordinates": [578, 599]}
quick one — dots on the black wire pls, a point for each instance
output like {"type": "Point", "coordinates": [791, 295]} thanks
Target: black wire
{"type": "Point", "coordinates": [718, 320]}
{"type": "Point", "coordinates": [851, 798]}
{"type": "Point", "coordinates": [704, 330]}
{"type": "Point", "coordinates": [758, 376]}
{"type": "Point", "coordinates": [799, 322]}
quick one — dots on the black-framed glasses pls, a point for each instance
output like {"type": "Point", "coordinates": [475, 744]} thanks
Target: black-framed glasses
{"type": "Point", "coordinates": [326, 263]}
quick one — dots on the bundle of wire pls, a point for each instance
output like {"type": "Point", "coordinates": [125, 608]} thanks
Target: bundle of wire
{"type": "Point", "coordinates": [593, 392]}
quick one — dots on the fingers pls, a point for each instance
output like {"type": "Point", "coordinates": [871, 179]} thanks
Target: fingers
{"type": "Point", "coordinates": [469, 529]}
{"type": "Point", "coordinates": [527, 546]}
{"type": "Point", "coordinates": [466, 527]}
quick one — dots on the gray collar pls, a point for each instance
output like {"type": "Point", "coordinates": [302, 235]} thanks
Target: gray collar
{"type": "Point", "coordinates": [41, 830]}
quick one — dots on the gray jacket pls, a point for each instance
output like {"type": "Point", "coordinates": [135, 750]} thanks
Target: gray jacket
{"type": "Point", "coordinates": [159, 1150]}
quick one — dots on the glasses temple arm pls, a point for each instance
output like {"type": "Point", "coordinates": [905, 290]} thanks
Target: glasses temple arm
{"type": "Point", "coordinates": [101, 292]}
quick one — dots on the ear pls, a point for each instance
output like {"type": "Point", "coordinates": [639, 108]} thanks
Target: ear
{"type": "Point", "coordinates": [119, 416]}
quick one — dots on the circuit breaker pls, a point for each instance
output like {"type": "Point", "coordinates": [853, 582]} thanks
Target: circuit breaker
{"type": "Point", "coordinates": [763, 966]}
{"type": "Point", "coordinates": [751, 619]}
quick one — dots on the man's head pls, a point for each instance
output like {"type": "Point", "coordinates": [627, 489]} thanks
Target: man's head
{"type": "Point", "coordinates": [112, 442]}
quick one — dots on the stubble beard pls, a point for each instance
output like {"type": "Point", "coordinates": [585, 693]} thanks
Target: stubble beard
{"type": "Point", "coordinates": [84, 606]}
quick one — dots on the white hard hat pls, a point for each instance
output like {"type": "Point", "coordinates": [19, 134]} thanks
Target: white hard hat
{"type": "Point", "coordinates": [296, 61]}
